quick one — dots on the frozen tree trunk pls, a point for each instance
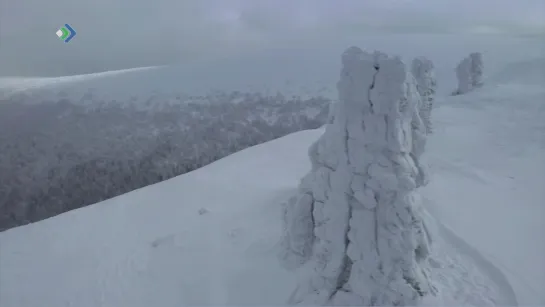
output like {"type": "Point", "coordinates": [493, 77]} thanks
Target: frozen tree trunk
{"type": "Point", "coordinates": [426, 85]}
{"type": "Point", "coordinates": [469, 73]}
{"type": "Point", "coordinates": [366, 241]}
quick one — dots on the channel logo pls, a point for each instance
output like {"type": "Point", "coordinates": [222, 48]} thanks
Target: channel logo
{"type": "Point", "coordinates": [66, 33]}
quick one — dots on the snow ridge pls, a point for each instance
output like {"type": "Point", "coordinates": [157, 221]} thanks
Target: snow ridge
{"type": "Point", "coordinates": [368, 240]}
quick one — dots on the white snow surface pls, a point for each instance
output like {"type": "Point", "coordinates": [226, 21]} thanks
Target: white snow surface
{"type": "Point", "coordinates": [154, 247]}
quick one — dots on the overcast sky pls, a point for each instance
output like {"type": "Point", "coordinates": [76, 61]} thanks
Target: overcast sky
{"type": "Point", "coordinates": [113, 34]}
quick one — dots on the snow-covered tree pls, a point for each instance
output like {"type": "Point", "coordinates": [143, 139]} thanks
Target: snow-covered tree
{"type": "Point", "coordinates": [355, 219]}
{"type": "Point", "coordinates": [426, 84]}
{"type": "Point", "coordinates": [469, 73]}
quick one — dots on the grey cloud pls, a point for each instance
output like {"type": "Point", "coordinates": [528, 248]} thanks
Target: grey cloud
{"type": "Point", "coordinates": [115, 34]}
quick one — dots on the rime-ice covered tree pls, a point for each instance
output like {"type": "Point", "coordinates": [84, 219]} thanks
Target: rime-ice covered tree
{"type": "Point", "coordinates": [426, 85]}
{"type": "Point", "coordinates": [355, 218]}
{"type": "Point", "coordinates": [469, 73]}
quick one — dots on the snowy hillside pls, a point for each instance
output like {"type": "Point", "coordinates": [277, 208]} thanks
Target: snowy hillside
{"type": "Point", "coordinates": [210, 237]}
{"type": "Point", "coordinates": [67, 153]}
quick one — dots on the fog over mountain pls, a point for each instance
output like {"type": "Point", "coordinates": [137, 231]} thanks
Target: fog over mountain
{"type": "Point", "coordinates": [115, 34]}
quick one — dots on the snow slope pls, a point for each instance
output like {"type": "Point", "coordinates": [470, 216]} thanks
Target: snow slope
{"type": "Point", "coordinates": [488, 166]}
{"type": "Point", "coordinates": [10, 86]}
{"type": "Point", "coordinates": [152, 247]}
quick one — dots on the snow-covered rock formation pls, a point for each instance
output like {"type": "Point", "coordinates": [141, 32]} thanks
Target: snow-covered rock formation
{"type": "Point", "coordinates": [331, 114]}
{"type": "Point", "coordinates": [477, 68]}
{"type": "Point", "coordinates": [469, 73]}
{"type": "Point", "coordinates": [426, 85]}
{"type": "Point", "coordinates": [355, 219]}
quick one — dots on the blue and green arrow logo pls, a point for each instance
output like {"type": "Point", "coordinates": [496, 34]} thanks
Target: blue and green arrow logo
{"type": "Point", "coordinates": [66, 33]}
